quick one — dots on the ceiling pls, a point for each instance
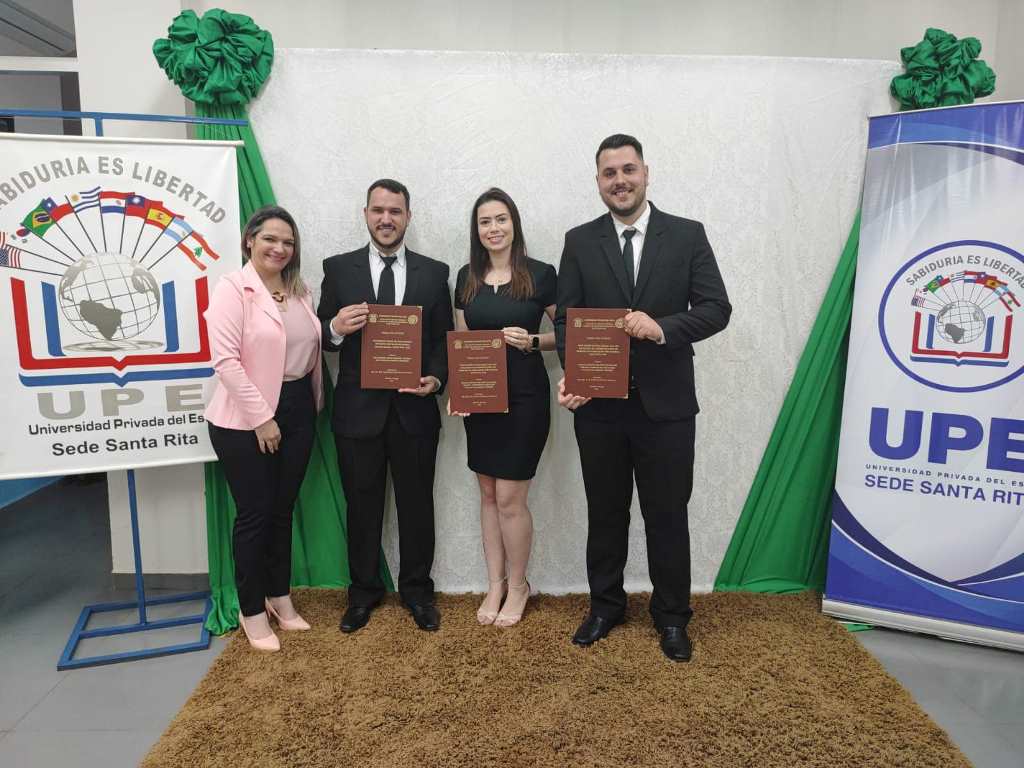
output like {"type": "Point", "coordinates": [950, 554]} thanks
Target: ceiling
{"type": "Point", "coordinates": [37, 28]}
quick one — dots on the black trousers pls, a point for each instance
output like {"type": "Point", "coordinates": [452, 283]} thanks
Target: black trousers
{"type": "Point", "coordinates": [659, 454]}
{"type": "Point", "coordinates": [363, 464]}
{"type": "Point", "coordinates": [264, 487]}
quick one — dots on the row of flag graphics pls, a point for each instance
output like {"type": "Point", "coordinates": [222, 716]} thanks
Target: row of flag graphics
{"type": "Point", "coordinates": [977, 287]}
{"type": "Point", "coordinates": [49, 215]}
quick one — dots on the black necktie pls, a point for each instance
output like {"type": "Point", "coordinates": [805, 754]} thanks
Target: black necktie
{"type": "Point", "coordinates": [627, 256]}
{"type": "Point", "coordinates": [386, 289]}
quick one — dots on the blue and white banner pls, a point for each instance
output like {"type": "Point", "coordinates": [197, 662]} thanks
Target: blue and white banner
{"type": "Point", "coordinates": [109, 250]}
{"type": "Point", "coordinates": [928, 512]}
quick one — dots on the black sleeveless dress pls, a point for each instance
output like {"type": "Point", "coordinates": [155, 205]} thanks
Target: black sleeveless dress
{"type": "Point", "coordinates": [508, 445]}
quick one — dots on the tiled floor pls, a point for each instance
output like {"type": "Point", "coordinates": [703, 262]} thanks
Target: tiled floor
{"type": "Point", "coordinates": [55, 558]}
{"type": "Point", "coordinates": [976, 694]}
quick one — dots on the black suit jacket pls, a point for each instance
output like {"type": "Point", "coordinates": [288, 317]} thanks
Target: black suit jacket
{"type": "Point", "coordinates": [678, 285]}
{"type": "Point", "coordinates": [347, 280]}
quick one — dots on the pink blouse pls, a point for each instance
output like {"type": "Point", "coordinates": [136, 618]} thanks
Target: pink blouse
{"type": "Point", "coordinates": [302, 348]}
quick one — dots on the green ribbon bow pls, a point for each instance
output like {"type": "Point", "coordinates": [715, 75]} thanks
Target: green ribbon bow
{"type": "Point", "coordinates": [941, 72]}
{"type": "Point", "coordinates": [220, 59]}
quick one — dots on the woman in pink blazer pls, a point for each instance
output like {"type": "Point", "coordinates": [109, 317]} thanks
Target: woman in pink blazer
{"type": "Point", "coordinates": [265, 339]}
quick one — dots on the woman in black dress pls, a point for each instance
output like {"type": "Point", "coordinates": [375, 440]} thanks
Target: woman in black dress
{"type": "Point", "coordinates": [503, 289]}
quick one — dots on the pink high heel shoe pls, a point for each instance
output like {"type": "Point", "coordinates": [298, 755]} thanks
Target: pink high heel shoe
{"type": "Point", "coordinates": [290, 625]}
{"type": "Point", "coordinates": [268, 644]}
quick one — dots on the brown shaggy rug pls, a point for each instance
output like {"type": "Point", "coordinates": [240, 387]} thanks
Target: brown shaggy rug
{"type": "Point", "coordinates": [772, 683]}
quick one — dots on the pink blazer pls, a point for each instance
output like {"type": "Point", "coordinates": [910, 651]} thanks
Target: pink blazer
{"type": "Point", "coordinates": [247, 339]}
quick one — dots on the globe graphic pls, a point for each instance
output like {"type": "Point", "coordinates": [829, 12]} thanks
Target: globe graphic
{"type": "Point", "coordinates": [108, 296]}
{"type": "Point", "coordinates": [960, 322]}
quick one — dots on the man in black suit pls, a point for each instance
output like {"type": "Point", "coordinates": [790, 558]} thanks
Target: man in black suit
{"type": "Point", "coordinates": [662, 269]}
{"type": "Point", "coordinates": [378, 428]}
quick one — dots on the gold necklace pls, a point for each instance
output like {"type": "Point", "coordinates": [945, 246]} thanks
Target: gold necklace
{"type": "Point", "coordinates": [278, 296]}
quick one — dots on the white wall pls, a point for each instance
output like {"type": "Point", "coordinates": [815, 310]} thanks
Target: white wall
{"type": "Point", "coordinates": [1009, 65]}
{"type": "Point", "coordinates": [172, 520]}
{"type": "Point", "coordinates": [116, 68]}
{"type": "Point", "coordinates": [858, 29]}
{"type": "Point", "coordinates": [118, 72]}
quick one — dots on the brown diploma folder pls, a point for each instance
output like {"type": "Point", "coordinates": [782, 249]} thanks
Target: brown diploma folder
{"type": "Point", "coordinates": [596, 353]}
{"type": "Point", "coordinates": [477, 372]}
{"type": "Point", "coordinates": [392, 347]}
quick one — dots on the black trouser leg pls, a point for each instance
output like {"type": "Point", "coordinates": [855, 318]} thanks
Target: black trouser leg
{"type": "Point", "coordinates": [362, 463]}
{"type": "Point", "coordinates": [252, 479]}
{"type": "Point", "coordinates": [663, 460]}
{"type": "Point", "coordinates": [412, 459]}
{"type": "Point", "coordinates": [296, 417]}
{"type": "Point", "coordinates": [605, 457]}
{"type": "Point", "coordinates": [262, 530]}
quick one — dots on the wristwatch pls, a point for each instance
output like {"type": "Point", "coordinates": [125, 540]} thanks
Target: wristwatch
{"type": "Point", "coordinates": [535, 343]}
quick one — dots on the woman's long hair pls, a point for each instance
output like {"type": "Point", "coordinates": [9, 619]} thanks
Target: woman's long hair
{"type": "Point", "coordinates": [521, 286]}
{"type": "Point", "coordinates": [291, 275]}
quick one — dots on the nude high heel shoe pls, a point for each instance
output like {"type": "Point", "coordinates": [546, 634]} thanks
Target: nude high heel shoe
{"type": "Point", "coordinates": [291, 625]}
{"type": "Point", "coordinates": [511, 619]}
{"type": "Point", "coordinates": [488, 617]}
{"type": "Point", "coordinates": [268, 644]}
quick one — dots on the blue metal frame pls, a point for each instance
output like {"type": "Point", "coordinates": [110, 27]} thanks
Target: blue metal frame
{"type": "Point", "coordinates": [99, 117]}
{"type": "Point", "coordinates": [80, 631]}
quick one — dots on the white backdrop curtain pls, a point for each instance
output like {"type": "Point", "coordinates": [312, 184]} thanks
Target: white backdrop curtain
{"type": "Point", "coordinates": [767, 152]}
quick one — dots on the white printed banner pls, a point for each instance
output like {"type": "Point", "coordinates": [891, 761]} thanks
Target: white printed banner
{"type": "Point", "coordinates": [109, 250]}
{"type": "Point", "coordinates": [928, 514]}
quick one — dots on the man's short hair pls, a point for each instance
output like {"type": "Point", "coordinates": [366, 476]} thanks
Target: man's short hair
{"type": "Point", "coordinates": [391, 186]}
{"type": "Point", "coordinates": [617, 140]}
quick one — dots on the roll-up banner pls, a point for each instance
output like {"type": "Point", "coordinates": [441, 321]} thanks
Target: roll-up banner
{"type": "Point", "coordinates": [109, 250]}
{"type": "Point", "coordinates": [928, 512]}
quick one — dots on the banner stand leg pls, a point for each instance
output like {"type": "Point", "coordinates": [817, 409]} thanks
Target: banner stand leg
{"type": "Point", "coordinates": [81, 632]}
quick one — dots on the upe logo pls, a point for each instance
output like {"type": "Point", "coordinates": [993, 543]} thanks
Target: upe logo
{"type": "Point", "coordinates": [97, 304]}
{"type": "Point", "coordinates": [947, 318]}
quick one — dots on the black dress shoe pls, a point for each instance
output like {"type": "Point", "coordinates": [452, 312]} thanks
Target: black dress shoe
{"type": "Point", "coordinates": [675, 643]}
{"type": "Point", "coordinates": [355, 618]}
{"type": "Point", "coordinates": [426, 616]}
{"type": "Point", "coordinates": [594, 628]}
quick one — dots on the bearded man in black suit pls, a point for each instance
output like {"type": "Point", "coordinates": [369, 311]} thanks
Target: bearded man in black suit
{"type": "Point", "coordinates": [375, 429]}
{"type": "Point", "coordinates": [663, 270]}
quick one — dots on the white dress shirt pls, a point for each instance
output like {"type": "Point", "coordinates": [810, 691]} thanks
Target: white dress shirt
{"type": "Point", "coordinates": [377, 265]}
{"type": "Point", "coordinates": [640, 225]}
{"type": "Point", "coordinates": [399, 268]}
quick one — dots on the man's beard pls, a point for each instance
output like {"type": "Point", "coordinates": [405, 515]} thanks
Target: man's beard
{"type": "Point", "coordinates": [383, 246]}
{"type": "Point", "coordinates": [626, 213]}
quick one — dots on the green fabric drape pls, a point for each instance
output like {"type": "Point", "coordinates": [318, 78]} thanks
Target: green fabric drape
{"type": "Point", "coordinates": [781, 540]}
{"type": "Point", "coordinates": [222, 58]}
{"type": "Point", "coordinates": [942, 72]}
{"type": "Point", "coordinates": [254, 190]}
{"type": "Point", "coordinates": [220, 61]}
